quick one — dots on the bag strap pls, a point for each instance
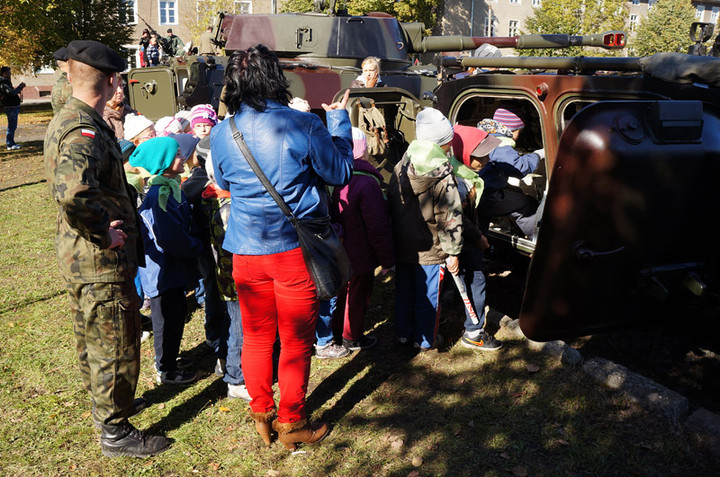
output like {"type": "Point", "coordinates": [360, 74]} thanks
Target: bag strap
{"type": "Point", "coordinates": [240, 140]}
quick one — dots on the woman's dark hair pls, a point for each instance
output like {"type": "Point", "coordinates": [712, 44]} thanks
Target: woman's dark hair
{"type": "Point", "coordinates": [253, 76]}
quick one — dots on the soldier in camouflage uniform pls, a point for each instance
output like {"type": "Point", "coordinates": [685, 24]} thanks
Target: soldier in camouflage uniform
{"type": "Point", "coordinates": [61, 90]}
{"type": "Point", "coordinates": [426, 212]}
{"type": "Point", "coordinates": [97, 247]}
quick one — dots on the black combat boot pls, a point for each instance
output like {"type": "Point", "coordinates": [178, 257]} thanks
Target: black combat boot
{"type": "Point", "coordinates": [124, 440]}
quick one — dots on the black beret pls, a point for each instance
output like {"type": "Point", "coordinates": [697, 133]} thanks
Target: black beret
{"type": "Point", "coordinates": [95, 54]}
{"type": "Point", "coordinates": [61, 54]}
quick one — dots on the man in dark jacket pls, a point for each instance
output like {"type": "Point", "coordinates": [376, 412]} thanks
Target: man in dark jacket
{"type": "Point", "coordinates": [172, 44]}
{"type": "Point", "coordinates": [10, 99]}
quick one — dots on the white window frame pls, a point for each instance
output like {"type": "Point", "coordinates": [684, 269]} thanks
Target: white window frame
{"type": "Point", "coordinates": [714, 15]}
{"type": "Point", "coordinates": [699, 12]}
{"type": "Point", "coordinates": [515, 2]}
{"type": "Point", "coordinates": [633, 22]}
{"type": "Point", "coordinates": [513, 27]}
{"type": "Point", "coordinates": [636, 2]}
{"type": "Point", "coordinates": [134, 11]}
{"type": "Point", "coordinates": [490, 26]}
{"type": "Point", "coordinates": [537, 3]}
{"type": "Point", "coordinates": [175, 9]}
{"type": "Point", "coordinates": [238, 6]}
{"type": "Point", "coordinates": [133, 52]}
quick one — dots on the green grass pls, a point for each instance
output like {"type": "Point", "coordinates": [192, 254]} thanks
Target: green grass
{"type": "Point", "coordinates": [393, 412]}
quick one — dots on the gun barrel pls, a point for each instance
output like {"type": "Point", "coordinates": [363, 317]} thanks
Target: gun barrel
{"type": "Point", "coordinates": [608, 40]}
{"type": "Point", "coordinates": [549, 62]}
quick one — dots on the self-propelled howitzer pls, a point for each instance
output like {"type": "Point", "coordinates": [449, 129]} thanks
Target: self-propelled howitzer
{"type": "Point", "coordinates": [322, 54]}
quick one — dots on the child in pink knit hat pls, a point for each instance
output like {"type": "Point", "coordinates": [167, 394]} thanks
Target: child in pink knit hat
{"type": "Point", "coordinates": [202, 120]}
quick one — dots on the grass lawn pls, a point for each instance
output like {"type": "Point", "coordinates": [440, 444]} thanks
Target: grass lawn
{"type": "Point", "coordinates": [454, 412]}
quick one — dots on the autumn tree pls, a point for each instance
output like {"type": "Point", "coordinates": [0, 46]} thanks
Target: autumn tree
{"type": "Point", "coordinates": [424, 11]}
{"type": "Point", "coordinates": [31, 31]}
{"type": "Point", "coordinates": [665, 29]}
{"type": "Point", "coordinates": [207, 15]}
{"type": "Point", "coordinates": [575, 17]}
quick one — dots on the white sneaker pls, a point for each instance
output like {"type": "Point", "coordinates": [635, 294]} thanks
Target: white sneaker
{"type": "Point", "coordinates": [144, 336]}
{"type": "Point", "coordinates": [220, 369]}
{"type": "Point", "coordinates": [238, 391]}
{"type": "Point", "coordinates": [14, 147]}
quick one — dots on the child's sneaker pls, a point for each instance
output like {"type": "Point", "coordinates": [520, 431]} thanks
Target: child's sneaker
{"type": "Point", "coordinates": [179, 376]}
{"type": "Point", "coordinates": [481, 341]}
{"type": "Point", "coordinates": [220, 368]}
{"type": "Point", "coordinates": [331, 351]}
{"type": "Point", "coordinates": [365, 342]}
{"type": "Point", "coordinates": [436, 344]}
{"type": "Point", "coordinates": [238, 391]}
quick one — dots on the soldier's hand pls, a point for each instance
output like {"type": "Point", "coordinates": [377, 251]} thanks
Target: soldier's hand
{"type": "Point", "coordinates": [339, 104]}
{"type": "Point", "coordinates": [117, 236]}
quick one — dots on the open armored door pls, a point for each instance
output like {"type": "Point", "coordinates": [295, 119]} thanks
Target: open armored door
{"type": "Point", "coordinates": [397, 108]}
{"type": "Point", "coordinates": [627, 233]}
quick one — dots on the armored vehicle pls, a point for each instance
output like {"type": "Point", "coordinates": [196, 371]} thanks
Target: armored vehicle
{"type": "Point", "coordinates": [627, 193]}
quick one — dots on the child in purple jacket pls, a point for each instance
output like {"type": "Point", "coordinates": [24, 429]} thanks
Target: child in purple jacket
{"type": "Point", "coordinates": [361, 210]}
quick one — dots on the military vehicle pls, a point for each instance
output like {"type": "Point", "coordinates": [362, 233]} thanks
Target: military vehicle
{"type": "Point", "coordinates": [632, 147]}
{"type": "Point", "coordinates": [321, 55]}
{"type": "Point", "coordinates": [627, 191]}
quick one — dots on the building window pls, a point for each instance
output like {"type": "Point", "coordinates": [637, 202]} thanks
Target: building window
{"type": "Point", "coordinates": [536, 3]}
{"type": "Point", "coordinates": [651, 3]}
{"type": "Point", "coordinates": [168, 13]}
{"type": "Point", "coordinates": [636, 2]}
{"type": "Point", "coordinates": [699, 11]}
{"type": "Point", "coordinates": [128, 12]}
{"type": "Point", "coordinates": [514, 2]}
{"type": "Point", "coordinates": [244, 8]}
{"type": "Point", "coordinates": [512, 28]}
{"type": "Point", "coordinates": [633, 22]}
{"type": "Point", "coordinates": [714, 15]}
{"type": "Point", "coordinates": [133, 55]}
{"type": "Point", "coordinates": [490, 27]}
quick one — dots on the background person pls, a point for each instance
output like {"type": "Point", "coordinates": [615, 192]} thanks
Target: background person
{"type": "Point", "coordinates": [61, 90]}
{"type": "Point", "coordinates": [10, 100]}
{"type": "Point", "coordinates": [276, 293]}
{"type": "Point", "coordinates": [205, 44]}
{"type": "Point", "coordinates": [116, 110]}
{"type": "Point", "coordinates": [98, 248]}
{"type": "Point", "coordinates": [173, 44]}
{"type": "Point", "coordinates": [370, 76]}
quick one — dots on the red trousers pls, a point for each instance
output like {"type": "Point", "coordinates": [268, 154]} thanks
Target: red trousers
{"type": "Point", "coordinates": [277, 296]}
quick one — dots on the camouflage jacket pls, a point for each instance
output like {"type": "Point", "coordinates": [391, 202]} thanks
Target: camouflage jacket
{"type": "Point", "coordinates": [425, 207]}
{"type": "Point", "coordinates": [61, 92]}
{"type": "Point", "coordinates": [84, 169]}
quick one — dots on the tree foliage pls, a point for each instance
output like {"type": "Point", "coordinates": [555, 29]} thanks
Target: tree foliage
{"type": "Point", "coordinates": [31, 30]}
{"type": "Point", "coordinates": [207, 15]}
{"type": "Point", "coordinates": [424, 11]}
{"type": "Point", "coordinates": [665, 29]}
{"type": "Point", "coordinates": [575, 17]}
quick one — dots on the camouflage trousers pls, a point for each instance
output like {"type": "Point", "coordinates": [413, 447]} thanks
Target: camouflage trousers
{"type": "Point", "coordinates": [106, 322]}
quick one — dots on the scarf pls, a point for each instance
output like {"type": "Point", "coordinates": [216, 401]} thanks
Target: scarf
{"type": "Point", "coordinates": [167, 186]}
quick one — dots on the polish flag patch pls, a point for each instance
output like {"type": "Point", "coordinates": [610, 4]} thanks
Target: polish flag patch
{"type": "Point", "coordinates": [88, 133]}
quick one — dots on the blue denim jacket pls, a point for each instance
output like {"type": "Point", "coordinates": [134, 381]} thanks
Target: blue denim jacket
{"type": "Point", "coordinates": [298, 154]}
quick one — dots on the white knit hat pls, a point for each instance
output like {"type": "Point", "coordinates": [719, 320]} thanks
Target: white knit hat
{"type": "Point", "coordinates": [432, 125]}
{"type": "Point", "coordinates": [135, 124]}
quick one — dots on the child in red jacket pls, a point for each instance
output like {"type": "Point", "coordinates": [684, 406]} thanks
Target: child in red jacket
{"type": "Point", "coordinates": [360, 208]}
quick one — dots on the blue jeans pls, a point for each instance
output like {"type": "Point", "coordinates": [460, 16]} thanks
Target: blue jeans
{"type": "Point", "coordinates": [217, 320]}
{"type": "Point", "coordinates": [417, 293]}
{"type": "Point", "coordinates": [323, 329]}
{"type": "Point", "coordinates": [233, 373]}
{"type": "Point", "coordinates": [474, 279]}
{"type": "Point", "coordinates": [12, 113]}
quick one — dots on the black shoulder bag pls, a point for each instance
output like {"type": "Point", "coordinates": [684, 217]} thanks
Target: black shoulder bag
{"type": "Point", "coordinates": [325, 257]}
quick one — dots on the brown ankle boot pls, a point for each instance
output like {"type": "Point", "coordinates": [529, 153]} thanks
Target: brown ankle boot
{"type": "Point", "coordinates": [263, 426]}
{"type": "Point", "coordinates": [290, 433]}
